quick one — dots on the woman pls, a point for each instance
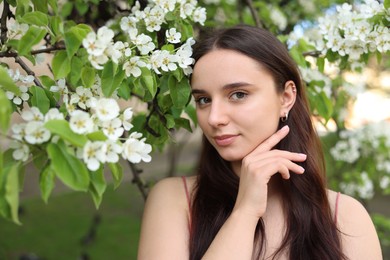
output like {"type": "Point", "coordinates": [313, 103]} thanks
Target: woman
{"type": "Point", "coordinates": [260, 192]}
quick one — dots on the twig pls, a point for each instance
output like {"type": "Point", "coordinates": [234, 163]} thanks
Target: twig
{"type": "Point", "coordinates": [312, 53]}
{"type": "Point", "coordinates": [27, 69]}
{"type": "Point", "coordinates": [155, 109]}
{"type": "Point", "coordinates": [254, 14]}
{"type": "Point", "coordinates": [10, 54]}
{"type": "Point", "coordinates": [137, 180]}
{"type": "Point", "coordinates": [4, 22]}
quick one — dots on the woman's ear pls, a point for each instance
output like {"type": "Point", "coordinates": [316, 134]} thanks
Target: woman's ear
{"type": "Point", "coordinates": [288, 97]}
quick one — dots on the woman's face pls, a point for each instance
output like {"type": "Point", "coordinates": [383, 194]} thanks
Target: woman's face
{"type": "Point", "coordinates": [237, 104]}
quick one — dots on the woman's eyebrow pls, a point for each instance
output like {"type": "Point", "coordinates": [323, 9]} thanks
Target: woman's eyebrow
{"type": "Point", "coordinates": [225, 87]}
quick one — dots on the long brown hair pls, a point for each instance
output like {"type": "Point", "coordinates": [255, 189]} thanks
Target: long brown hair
{"type": "Point", "coordinates": [311, 232]}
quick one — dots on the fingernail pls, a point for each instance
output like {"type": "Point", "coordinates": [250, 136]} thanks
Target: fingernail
{"type": "Point", "coordinates": [303, 155]}
{"type": "Point", "coordinates": [302, 170]}
{"type": "Point", "coordinates": [284, 128]}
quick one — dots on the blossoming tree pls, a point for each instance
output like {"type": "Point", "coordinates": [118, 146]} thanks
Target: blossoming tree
{"type": "Point", "coordinates": [79, 117]}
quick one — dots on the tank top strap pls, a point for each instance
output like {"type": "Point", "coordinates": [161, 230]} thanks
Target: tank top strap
{"type": "Point", "coordinates": [188, 200]}
{"type": "Point", "coordinates": [336, 208]}
{"type": "Point", "coordinates": [186, 191]}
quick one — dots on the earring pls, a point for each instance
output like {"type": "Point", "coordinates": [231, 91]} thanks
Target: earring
{"type": "Point", "coordinates": [284, 118]}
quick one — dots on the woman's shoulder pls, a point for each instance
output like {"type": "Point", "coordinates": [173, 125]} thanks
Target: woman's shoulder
{"type": "Point", "coordinates": [165, 222]}
{"type": "Point", "coordinates": [173, 186]}
{"type": "Point", "coordinates": [344, 205]}
{"type": "Point", "coordinates": [357, 230]}
{"type": "Point", "coordinates": [172, 190]}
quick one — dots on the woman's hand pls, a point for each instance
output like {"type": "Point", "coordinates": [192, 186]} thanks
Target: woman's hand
{"type": "Point", "coordinates": [257, 169]}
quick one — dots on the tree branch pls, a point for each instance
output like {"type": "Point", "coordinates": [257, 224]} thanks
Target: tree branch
{"type": "Point", "coordinates": [254, 13]}
{"type": "Point", "coordinates": [10, 54]}
{"type": "Point", "coordinates": [138, 181]}
{"type": "Point", "coordinates": [3, 22]}
{"type": "Point", "coordinates": [155, 109]}
{"type": "Point", "coordinates": [315, 54]}
{"type": "Point", "coordinates": [27, 69]}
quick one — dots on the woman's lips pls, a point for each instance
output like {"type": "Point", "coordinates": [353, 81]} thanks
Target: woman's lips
{"type": "Point", "coordinates": [224, 140]}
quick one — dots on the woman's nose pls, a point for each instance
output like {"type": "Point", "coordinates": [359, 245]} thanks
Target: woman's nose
{"type": "Point", "coordinates": [218, 115]}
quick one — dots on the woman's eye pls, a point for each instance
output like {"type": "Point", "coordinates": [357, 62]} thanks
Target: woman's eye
{"type": "Point", "coordinates": [238, 95]}
{"type": "Point", "coordinates": [202, 100]}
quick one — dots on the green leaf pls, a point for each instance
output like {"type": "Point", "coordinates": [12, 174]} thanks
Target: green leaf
{"type": "Point", "coordinates": [97, 136]}
{"type": "Point", "coordinates": [47, 81]}
{"type": "Point", "coordinates": [386, 3]}
{"type": "Point", "coordinates": [46, 182]}
{"type": "Point", "coordinates": [61, 65]}
{"type": "Point", "coordinates": [117, 173]}
{"type": "Point", "coordinates": [11, 189]}
{"type": "Point", "coordinates": [97, 186]}
{"type": "Point", "coordinates": [56, 27]}
{"type": "Point", "coordinates": [296, 54]}
{"type": "Point", "coordinates": [324, 106]}
{"type": "Point", "coordinates": [76, 65]}
{"type": "Point", "coordinates": [39, 99]}
{"type": "Point", "coordinates": [74, 37]}
{"type": "Point", "coordinates": [88, 76]}
{"type": "Point", "coordinates": [180, 91]}
{"type": "Point", "coordinates": [69, 169]}
{"type": "Point", "coordinates": [39, 157]}
{"type": "Point", "coordinates": [170, 121]}
{"type": "Point", "coordinates": [321, 64]}
{"type": "Point", "coordinates": [40, 5]}
{"type": "Point", "coordinates": [191, 112]}
{"type": "Point", "coordinates": [62, 128]}
{"type": "Point", "coordinates": [11, 2]}
{"type": "Point", "coordinates": [35, 18]}
{"type": "Point", "coordinates": [7, 83]}
{"type": "Point", "coordinates": [53, 4]}
{"type": "Point", "coordinates": [111, 78]}
{"type": "Point", "coordinates": [5, 112]}
{"type": "Point", "coordinates": [184, 123]}
{"type": "Point", "coordinates": [186, 30]}
{"type": "Point", "coordinates": [124, 90]}
{"type": "Point", "coordinates": [22, 7]}
{"type": "Point", "coordinates": [32, 37]}
{"type": "Point", "coordinates": [82, 7]}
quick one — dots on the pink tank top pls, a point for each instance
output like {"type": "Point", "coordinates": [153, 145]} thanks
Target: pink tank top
{"type": "Point", "coordinates": [189, 200]}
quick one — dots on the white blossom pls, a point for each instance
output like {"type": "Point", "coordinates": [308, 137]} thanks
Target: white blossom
{"type": "Point", "coordinates": [81, 122]}
{"type": "Point", "coordinates": [128, 23]}
{"type": "Point", "coordinates": [36, 133]}
{"type": "Point", "coordinates": [126, 118]}
{"type": "Point", "coordinates": [168, 61]}
{"type": "Point", "coordinates": [278, 18]}
{"type": "Point", "coordinates": [166, 5]}
{"type": "Point", "coordinates": [32, 114]}
{"type": "Point", "coordinates": [144, 44]}
{"type": "Point", "coordinates": [112, 151]}
{"type": "Point", "coordinates": [200, 15]}
{"type": "Point", "coordinates": [16, 29]}
{"type": "Point", "coordinates": [364, 190]}
{"type": "Point", "coordinates": [106, 109]}
{"type": "Point", "coordinates": [135, 150]}
{"type": "Point", "coordinates": [60, 87]}
{"type": "Point", "coordinates": [173, 36]}
{"type": "Point", "coordinates": [113, 128]}
{"type": "Point", "coordinates": [18, 131]}
{"type": "Point", "coordinates": [53, 114]}
{"type": "Point", "coordinates": [82, 97]}
{"type": "Point", "coordinates": [132, 66]}
{"type": "Point", "coordinates": [94, 154]}
{"type": "Point", "coordinates": [21, 151]}
{"type": "Point", "coordinates": [19, 99]}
